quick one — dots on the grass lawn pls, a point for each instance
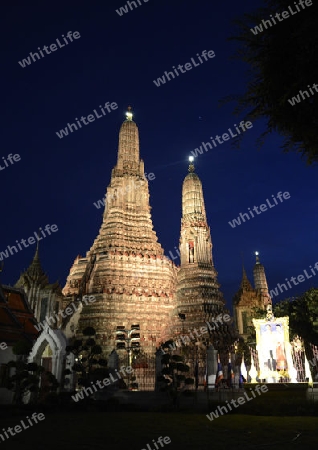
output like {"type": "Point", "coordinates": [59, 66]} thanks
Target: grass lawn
{"type": "Point", "coordinates": [133, 431]}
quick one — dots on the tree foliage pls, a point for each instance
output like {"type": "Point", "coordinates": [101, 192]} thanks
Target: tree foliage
{"type": "Point", "coordinates": [26, 380]}
{"type": "Point", "coordinates": [303, 319]}
{"type": "Point", "coordinates": [282, 62]}
{"type": "Point", "coordinates": [22, 348]}
{"type": "Point", "coordinates": [173, 375]}
{"type": "Point", "coordinates": [303, 315]}
{"type": "Point", "coordinates": [256, 313]}
{"type": "Point", "coordinates": [242, 350]}
{"type": "Point", "coordinates": [88, 361]}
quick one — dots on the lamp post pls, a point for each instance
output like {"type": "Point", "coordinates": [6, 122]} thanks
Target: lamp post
{"type": "Point", "coordinates": [182, 317]}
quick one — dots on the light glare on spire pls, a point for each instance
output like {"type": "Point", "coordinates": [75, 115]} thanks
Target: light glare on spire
{"type": "Point", "coordinates": [191, 158]}
{"type": "Point", "coordinates": [129, 114]}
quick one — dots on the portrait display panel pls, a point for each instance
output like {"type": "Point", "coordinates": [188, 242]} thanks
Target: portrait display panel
{"type": "Point", "coordinates": [272, 344]}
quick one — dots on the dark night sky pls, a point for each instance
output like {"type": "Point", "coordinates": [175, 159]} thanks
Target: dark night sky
{"type": "Point", "coordinates": [116, 59]}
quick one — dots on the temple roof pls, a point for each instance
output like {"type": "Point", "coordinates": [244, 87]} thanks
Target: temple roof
{"type": "Point", "coordinates": [34, 273]}
{"type": "Point", "coordinates": [16, 318]}
{"type": "Point", "coordinates": [245, 286]}
{"type": "Point", "coordinates": [245, 283]}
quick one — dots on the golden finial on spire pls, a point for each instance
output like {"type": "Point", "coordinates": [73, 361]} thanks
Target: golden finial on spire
{"type": "Point", "coordinates": [191, 166]}
{"type": "Point", "coordinates": [257, 258]}
{"type": "Point", "coordinates": [129, 114]}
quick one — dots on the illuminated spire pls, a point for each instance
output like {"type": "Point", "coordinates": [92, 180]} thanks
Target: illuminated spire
{"type": "Point", "coordinates": [128, 159]}
{"type": "Point", "coordinates": [191, 165]}
{"type": "Point", "coordinates": [193, 208]}
{"type": "Point", "coordinates": [260, 281]}
{"type": "Point", "coordinates": [129, 114]}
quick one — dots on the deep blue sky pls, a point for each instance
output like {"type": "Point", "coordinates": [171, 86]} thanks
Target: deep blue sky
{"type": "Point", "coordinates": [116, 60]}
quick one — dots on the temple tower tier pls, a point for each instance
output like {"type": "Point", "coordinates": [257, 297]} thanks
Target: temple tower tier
{"type": "Point", "coordinates": [125, 269]}
{"type": "Point", "coordinates": [198, 295]}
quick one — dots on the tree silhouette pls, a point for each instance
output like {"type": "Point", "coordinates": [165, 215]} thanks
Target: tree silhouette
{"type": "Point", "coordinates": [281, 64]}
{"type": "Point", "coordinates": [173, 375]}
{"type": "Point", "coordinates": [26, 377]}
{"type": "Point", "coordinates": [303, 317]}
{"type": "Point", "coordinates": [88, 363]}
